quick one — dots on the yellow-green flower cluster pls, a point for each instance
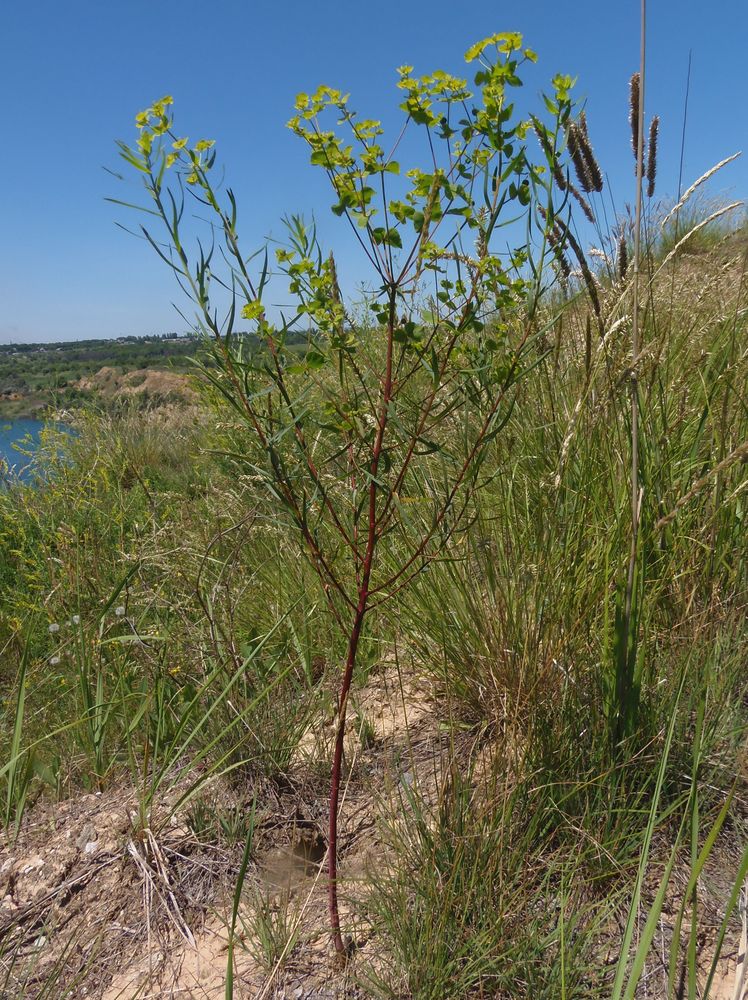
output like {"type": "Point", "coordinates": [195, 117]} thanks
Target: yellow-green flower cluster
{"type": "Point", "coordinates": [426, 92]}
{"type": "Point", "coordinates": [253, 310]}
{"type": "Point", "coordinates": [155, 122]}
{"type": "Point", "coordinates": [152, 122]}
{"type": "Point", "coordinates": [506, 42]}
{"type": "Point", "coordinates": [315, 285]}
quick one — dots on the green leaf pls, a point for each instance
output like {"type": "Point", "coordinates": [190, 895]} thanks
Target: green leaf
{"type": "Point", "coordinates": [427, 447]}
{"type": "Point", "coordinates": [315, 360]}
{"type": "Point", "coordinates": [388, 237]}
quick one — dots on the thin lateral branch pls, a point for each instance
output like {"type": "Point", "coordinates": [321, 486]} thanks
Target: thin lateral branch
{"type": "Point", "coordinates": [404, 583]}
{"type": "Point", "coordinates": [427, 407]}
{"type": "Point", "coordinates": [477, 444]}
{"type": "Point", "coordinates": [289, 498]}
{"type": "Point", "coordinates": [304, 448]}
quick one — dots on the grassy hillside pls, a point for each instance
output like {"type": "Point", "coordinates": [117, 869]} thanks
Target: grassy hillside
{"type": "Point", "coordinates": [165, 649]}
{"type": "Point", "coordinates": [408, 662]}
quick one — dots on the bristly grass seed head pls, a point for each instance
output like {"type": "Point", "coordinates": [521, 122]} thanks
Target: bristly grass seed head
{"type": "Point", "coordinates": [623, 258]}
{"type": "Point", "coordinates": [581, 167]}
{"type": "Point", "coordinates": [634, 105]}
{"type": "Point", "coordinates": [652, 155]}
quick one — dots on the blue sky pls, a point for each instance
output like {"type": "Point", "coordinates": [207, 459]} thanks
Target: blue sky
{"type": "Point", "coordinates": [74, 74]}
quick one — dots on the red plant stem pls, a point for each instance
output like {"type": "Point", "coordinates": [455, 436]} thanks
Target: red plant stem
{"type": "Point", "coordinates": [353, 640]}
{"type": "Point", "coordinates": [337, 762]}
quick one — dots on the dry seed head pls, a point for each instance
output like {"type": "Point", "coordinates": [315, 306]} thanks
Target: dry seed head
{"type": "Point", "coordinates": [634, 104]}
{"type": "Point", "coordinates": [585, 205]}
{"type": "Point", "coordinates": [558, 174]}
{"type": "Point", "coordinates": [481, 240]}
{"type": "Point", "coordinates": [623, 258]}
{"type": "Point", "coordinates": [561, 260]}
{"type": "Point", "coordinates": [574, 139]}
{"type": "Point", "coordinates": [593, 169]}
{"type": "Point", "coordinates": [430, 202]}
{"type": "Point", "coordinates": [335, 293]}
{"type": "Point", "coordinates": [584, 267]}
{"type": "Point", "coordinates": [652, 155]}
{"type": "Point", "coordinates": [334, 286]}
{"type": "Point", "coordinates": [556, 243]}
{"type": "Point", "coordinates": [704, 177]}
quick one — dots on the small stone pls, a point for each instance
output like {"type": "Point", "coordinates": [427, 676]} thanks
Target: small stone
{"type": "Point", "coordinates": [32, 865]}
{"type": "Point", "coordinates": [87, 836]}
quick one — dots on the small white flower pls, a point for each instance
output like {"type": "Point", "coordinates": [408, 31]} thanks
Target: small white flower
{"type": "Point", "coordinates": [54, 661]}
{"type": "Point", "coordinates": [54, 627]}
{"type": "Point", "coordinates": [76, 619]}
{"type": "Point", "coordinates": [119, 611]}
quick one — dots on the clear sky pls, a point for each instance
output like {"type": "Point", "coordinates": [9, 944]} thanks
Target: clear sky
{"type": "Point", "coordinates": [74, 73]}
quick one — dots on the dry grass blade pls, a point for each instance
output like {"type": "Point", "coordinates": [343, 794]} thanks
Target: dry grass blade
{"type": "Point", "coordinates": [157, 867]}
{"type": "Point", "coordinates": [739, 454]}
{"type": "Point", "coordinates": [725, 210]}
{"type": "Point", "coordinates": [740, 989]}
{"type": "Point", "coordinates": [696, 184]}
{"type": "Point", "coordinates": [602, 344]}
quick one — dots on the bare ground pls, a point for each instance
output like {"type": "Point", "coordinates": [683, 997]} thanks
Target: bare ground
{"type": "Point", "coordinates": [94, 903]}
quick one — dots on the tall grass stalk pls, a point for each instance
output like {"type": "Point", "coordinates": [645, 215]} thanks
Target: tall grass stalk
{"type": "Point", "coordinates": [626, 643]}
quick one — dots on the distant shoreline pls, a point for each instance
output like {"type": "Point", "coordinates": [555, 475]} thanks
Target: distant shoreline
{"type": "Point", "coordinates": [40, 381]}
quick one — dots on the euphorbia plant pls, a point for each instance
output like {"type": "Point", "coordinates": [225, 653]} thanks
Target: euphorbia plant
{"type": "Point", "coordinates": [371, 437]}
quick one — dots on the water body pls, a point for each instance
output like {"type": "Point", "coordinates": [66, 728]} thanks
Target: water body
{"type": "Point", "coordinates": [24, 432]}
